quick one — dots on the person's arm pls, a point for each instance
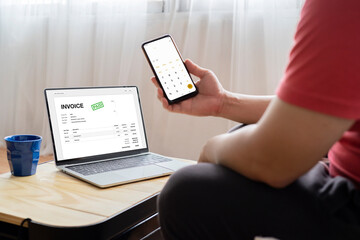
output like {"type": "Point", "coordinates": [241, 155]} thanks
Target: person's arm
{"type": "Point", "coordinates": [214, 100]}
{"type": "Point", "coordinates": [243, 108]}
{"type": "Point", "coordinates": [283, 145]}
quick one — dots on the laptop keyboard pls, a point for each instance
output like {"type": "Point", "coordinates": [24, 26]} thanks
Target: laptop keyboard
{"type": "Point", "coordinates": [117, 164]}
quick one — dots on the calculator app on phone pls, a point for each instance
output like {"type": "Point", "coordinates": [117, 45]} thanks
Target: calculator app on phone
{"type": "Point", "coordinates": [169, 69]}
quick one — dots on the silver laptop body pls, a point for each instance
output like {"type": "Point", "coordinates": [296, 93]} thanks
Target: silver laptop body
{"type": "Point", "coordinates": [99, 136]}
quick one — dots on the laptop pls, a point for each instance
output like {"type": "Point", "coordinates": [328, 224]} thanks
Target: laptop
{"type": "Point", "coordinates": [98, 135]}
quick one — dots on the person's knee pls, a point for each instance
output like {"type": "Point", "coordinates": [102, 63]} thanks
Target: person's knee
{"type": "Point", "coordinates": [185, 190]}
{"type": "Point", "coordinates": [181, 202]}
{"type": "Point", "coordinates": [178, 191]}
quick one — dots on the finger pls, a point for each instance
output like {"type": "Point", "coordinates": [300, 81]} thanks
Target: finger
{"type": "Point", "coordinates": [154, 81]}
{"type": "Point", "coordinates": [176, 108]}
{"type": "Point", "coordinates": [160, 93]}
{"type": "Point", "coordinates": [166, 105]}
{"type": "Point", "coordinates": [195, 69]}
{"type": "Point", "coordinates": [159, 97]}
{"type": "Point", "coordinates": [163, 100]}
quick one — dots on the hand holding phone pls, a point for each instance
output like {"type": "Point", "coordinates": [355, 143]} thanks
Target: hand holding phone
{"type": "Point", "coordinates": [169, 69]}
{"type": "Point", "coordinates": [209, 100]}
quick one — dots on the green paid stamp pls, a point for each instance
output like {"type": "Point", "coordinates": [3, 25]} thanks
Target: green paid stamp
{"type": "Point", "coordinates": [97, 106]}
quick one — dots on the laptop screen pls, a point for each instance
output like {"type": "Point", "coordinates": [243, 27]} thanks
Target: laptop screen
{"type": "Point", "coordinates": [95, 121]}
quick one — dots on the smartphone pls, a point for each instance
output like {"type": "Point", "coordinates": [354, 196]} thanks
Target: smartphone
{"type": "Point", "coordinates": [169, 69]}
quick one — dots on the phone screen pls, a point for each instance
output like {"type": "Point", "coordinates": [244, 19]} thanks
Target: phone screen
{"type": "Point", "coordinates": [169, 69]}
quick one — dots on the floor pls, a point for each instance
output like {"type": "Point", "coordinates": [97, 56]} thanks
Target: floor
{"type": "Point", "coordinates": [4, 165]}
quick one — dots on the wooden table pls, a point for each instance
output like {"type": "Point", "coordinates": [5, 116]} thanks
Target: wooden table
{"type": "Point", "coordinates": [63, 207]}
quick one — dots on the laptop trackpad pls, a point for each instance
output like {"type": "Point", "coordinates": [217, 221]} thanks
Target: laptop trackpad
{"type": "Point", "coordinates": [175, 165]}
{"type": "Point", "coordinates": [142, 172]}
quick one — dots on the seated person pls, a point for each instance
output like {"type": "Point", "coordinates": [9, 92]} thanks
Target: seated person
{"type": "Point", "coordinates": [265, 179]}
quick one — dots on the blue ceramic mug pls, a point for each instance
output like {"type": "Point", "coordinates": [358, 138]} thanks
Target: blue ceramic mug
{"type": "Point", "coordinates": [23, 153]}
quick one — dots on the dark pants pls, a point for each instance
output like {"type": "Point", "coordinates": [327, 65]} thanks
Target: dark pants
{"type": "Point", "coordinates": [208, 201]}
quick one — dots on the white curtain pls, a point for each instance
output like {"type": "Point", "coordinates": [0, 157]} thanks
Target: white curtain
{"type": "Point", "coordinates": [66, 43]}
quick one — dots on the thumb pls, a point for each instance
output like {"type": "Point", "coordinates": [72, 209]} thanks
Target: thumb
{"type": "Point", "coordinates": [195, 69]}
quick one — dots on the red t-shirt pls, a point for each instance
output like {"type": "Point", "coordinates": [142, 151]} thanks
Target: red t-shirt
{"type": "Point", "coordinates": [323, 74]}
